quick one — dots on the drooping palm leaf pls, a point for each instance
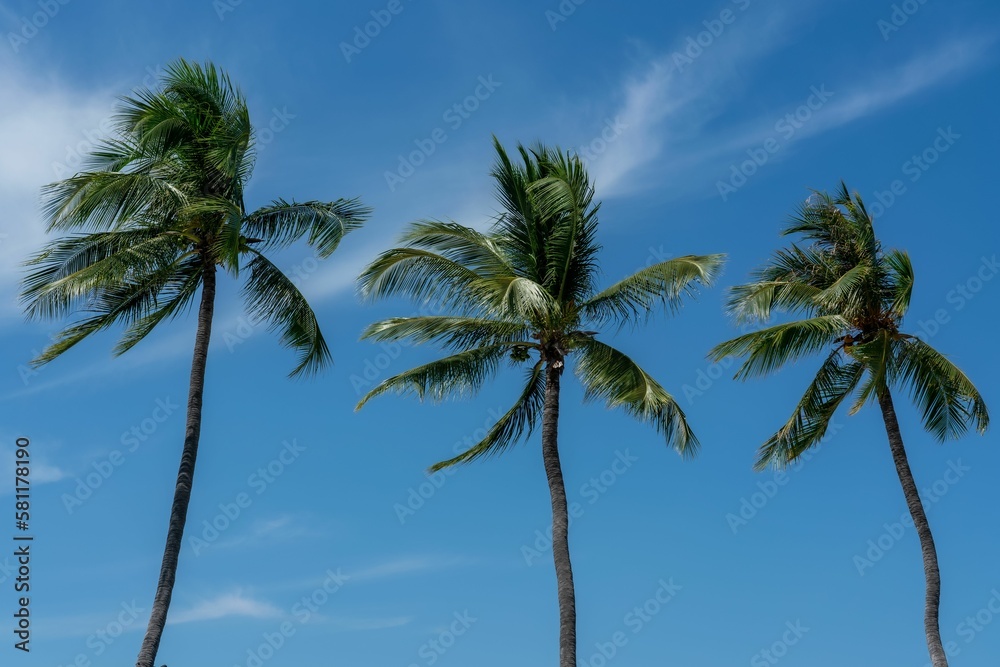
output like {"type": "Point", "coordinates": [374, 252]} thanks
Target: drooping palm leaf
{"type": "Point", "coordinates": [512, 426]}
{"type": "Point", "coordinates": [611, 376]}
{"type": "Point", "coordinates": [664, 284]}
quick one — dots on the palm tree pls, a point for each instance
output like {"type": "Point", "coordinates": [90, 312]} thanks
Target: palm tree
{"type": "Point", "coordinates": [158, 212]}
{"type": "Point", "coordinates": [525, 292]}
{"type": "Point", "coordinates": [853, 296]}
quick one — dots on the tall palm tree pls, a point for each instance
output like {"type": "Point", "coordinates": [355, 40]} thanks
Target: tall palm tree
{"type": "Point", "coordinates": [525, 292]}
{"type": "Point", "coordinates": [158, 212]}
{"type": "Point", "coordinates": [853, 296]}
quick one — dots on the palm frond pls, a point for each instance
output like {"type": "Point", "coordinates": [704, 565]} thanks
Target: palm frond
{"type": "Point", "coordinates": [472, 249]}
{"type": "Point", "coordinates": [769, 349]}
{"type": "Point", "coordinates": [665, 283]}
{"type": "Point", "coordinates": [420, 275]}
{"type": "Point", "coordinates": [452, 332]}
{"type": "Point", "coordinates": [836, 379]}
{"type": "Point", "coordinates": [175, 297]}
{"type": "Point", "coordinates": [755, 302]}
{"type": "Point", "coordinates": [461, 374]}
{"type": "Point", "coordinates": [66, 271]}
{"type": "Point", "coordinates": [120, 301]}
{"type": "Point", "coordinates": [876, 355]}
{"type": "Point", "coordinates": [271, 296]}
{"type": "Point", "coordinates": [516, 423]}
{"type": "Point", "coordinates": [844, 295]}
{"type": "Point", "coordinates": [564, 198]}
{"type": "Point", "coordinates": [613, 377]}
{"type": "Point", "coordinates": [901, 281]}
{"type": "Point", "coordinates": [324, 224]}
{"type": "Point", "coordinates": [948, 401]}
{"type": "Point", "coordinates": [101, 201]}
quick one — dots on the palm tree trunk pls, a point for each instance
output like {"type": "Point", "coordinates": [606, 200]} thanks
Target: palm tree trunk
{"type": "Point", "coordinates": [185, 475]}
{"type": "Point", "coordinates": [931, 571]}
{"type": "Point", "coordinates": [560, 517]}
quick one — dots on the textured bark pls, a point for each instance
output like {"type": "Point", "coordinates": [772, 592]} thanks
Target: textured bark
{"type": "Point", "coordinates": [560, 517]}
{"type": "Point", "coordinates": [185, 476]}
{"type": "Point", "coordinates": [931, 572]}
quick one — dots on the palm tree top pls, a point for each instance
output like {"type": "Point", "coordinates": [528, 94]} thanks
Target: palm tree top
{"type": "Point", "coordinates": [852, 297]}
{"type": "Point", "coordinates": [528, 286]}
{"type": "Point", "coordinates": [160, 203]}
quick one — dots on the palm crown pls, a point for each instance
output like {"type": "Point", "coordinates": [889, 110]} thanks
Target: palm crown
{"type": "Point", "coordinates": [161, 204]}
{"type": "Point", "coordinates": [528, 287]}
{"type": "Point", "coordinates": [853, 296]}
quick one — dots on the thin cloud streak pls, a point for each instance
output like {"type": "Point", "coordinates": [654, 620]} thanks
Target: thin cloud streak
{"type": "Point", "coordinates": [667, 110]}
{"type": "Point", "coordinates": [225, 606]}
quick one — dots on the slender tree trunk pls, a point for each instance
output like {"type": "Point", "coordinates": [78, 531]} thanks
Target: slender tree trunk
{"type": "Point", "coordinates": [560, 517]}
{"type": "Point", "coordinates": [185, 476]}
{"type": "Point", "coordinates": [931, 572]}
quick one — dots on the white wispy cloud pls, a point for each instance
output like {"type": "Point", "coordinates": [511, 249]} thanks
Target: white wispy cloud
{"type": "Point", "coordinates": [42, 470]}
{"type": "Point", "coordinates": [43, 121]}
{"type": "Point", "coordinates": [405, 565]}
{"type": "Point", "coordinates": [670, 108]}
{"type": "Point", "coordinates": [278, 529]}
{"type": "Point", "coordinates": [158, 348]}
{"type": "Point", "coordinates": [675, 95]}
{"type": "Point", "coordinates": [228, 605]}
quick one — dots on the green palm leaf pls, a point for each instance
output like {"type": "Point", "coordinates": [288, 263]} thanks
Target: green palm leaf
{"type": "Point", "coordinates": [324, 224]}
{"type": "Point", "coordinates": [612, 377]}
{"type": "Point", "coordinates": [769, 349]}
{"type": "Point", "coordinates": [948, 401]}
{"type": "Point", "coordinates": [834, 382]}
{"type": "Point", "coordinates": [461, 374]}
{"type": "Point", "coordinates": [451, 332]}
{"type": "Point", "coordinates": [271, 296]}
{"type": "Point", "coordinates": [515, 424]}
{"type": "Point", "coordinates": [665, 283]}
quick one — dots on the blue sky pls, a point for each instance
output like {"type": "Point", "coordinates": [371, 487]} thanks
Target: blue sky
{"type": "Point", "coordinates": [703, 124]}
